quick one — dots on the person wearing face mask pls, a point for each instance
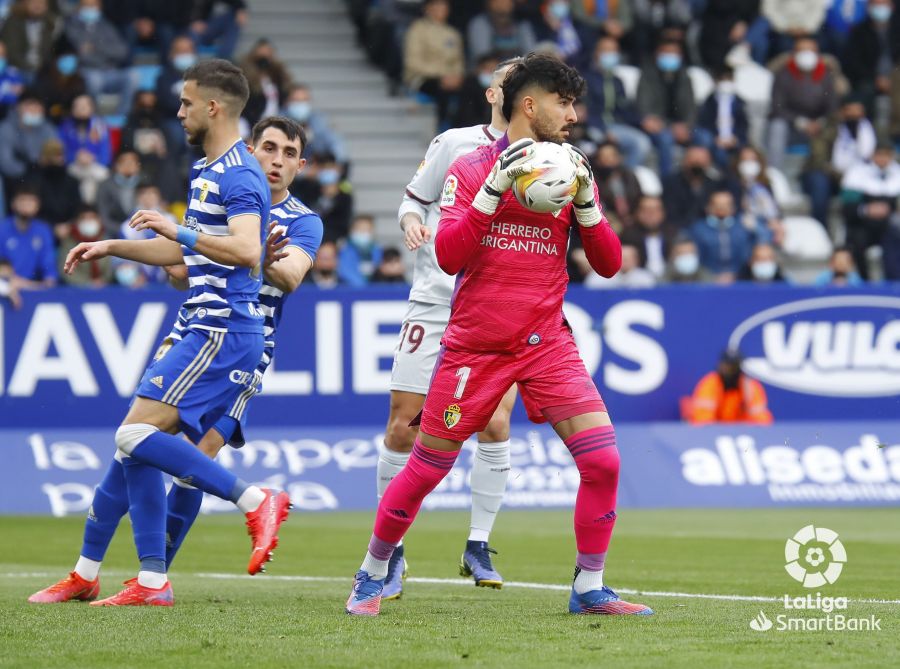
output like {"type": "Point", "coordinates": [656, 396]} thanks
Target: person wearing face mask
{"type": "Point", "coordinates": [298, 105]}
{"type": "Point", "coordinates": [83, 131]}
{"type": "Point", "coordinates": [618, 187]}
{"type": "Point", "coordinates": [58, 82]}
{"type": "Point", "coordinates": [136, 275]}
{"type": "Point", "coordinates": [473, 108]}
{"type": "Point", "coordinates": [727, 395]}
{"type": "Point", "coordinates": [325, 193]}
{"type": "Point", "coordinates": [686, 192]}
{"type": "Point", "coordinates": [722, 123]}
{"type": "Point", "coordinates": [870, 55]}
{"type": "Point", "coordinates": [269, 81]}
{"type": "Point", "coordinates": [783, 21]}
{"type": "Point", "coordinates": [219, 23]}
{"type": "Point", "coordinates": [22, 136]}
{"type": "Point", "coordinates": [763, 267]}
{"type": "Point", "coordinates": [26, 242]}
{"type": "Point", "coordinates": [656, 21]}
{"type": "Point", "coordinates": [684, 262]}
{"type": "Point", "coordinates": [665, 102]}
{"type": "Point", "coordinates": [58, 190]}
{"type": "Point", "coordinates": [803, 96]}
{"type": "Point", "coordinates": [86, 227]}
{"type": "Point", "coordinates": [758, 206]}
{"type": "Point", "coordinates": [116, 196]}
{"type": "Point", "coordinates": [609, 110]}
{"type": "Point", "coordinates": [360, 255]}
{"type": "Point", "coordinates": [573, 39]}
{"type": "Point", "coordinates": [723, 241]}
{"type": "Point", "coordinates": [102, 53]}
{"type": "Point", "coordinates": [12, 83]}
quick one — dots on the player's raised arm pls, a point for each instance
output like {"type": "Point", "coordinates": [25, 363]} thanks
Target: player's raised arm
{"type": "Point", "coordinates": [467, 213]}
{"type": "Point", "coordinates": [158, 251]}
{"type": "Point", "coordinates": [288, 259]}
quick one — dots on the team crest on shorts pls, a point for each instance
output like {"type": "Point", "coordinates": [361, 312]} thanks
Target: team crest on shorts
{"type": "Point", "coordinates": [452, 414]}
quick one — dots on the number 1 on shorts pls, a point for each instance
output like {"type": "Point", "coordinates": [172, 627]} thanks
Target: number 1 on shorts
{"type": "Point", "coordinates": [463, 374]}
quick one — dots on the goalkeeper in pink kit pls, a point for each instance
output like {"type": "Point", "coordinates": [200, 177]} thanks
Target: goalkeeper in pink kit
{"type": "Point", "coordinates": [507, 326]}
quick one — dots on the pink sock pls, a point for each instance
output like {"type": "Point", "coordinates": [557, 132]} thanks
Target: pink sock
{"type": "Point", "coordinates": [398, 508]}
{"type": "Point", "coordinates": [597, 459]}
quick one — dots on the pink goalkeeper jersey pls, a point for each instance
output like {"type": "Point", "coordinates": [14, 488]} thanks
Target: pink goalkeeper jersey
{"type": "Point", "coordinates": [511, 265]}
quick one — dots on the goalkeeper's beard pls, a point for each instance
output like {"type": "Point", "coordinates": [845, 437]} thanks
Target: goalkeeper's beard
{"type": "Point", "coordinates": [544, 130]}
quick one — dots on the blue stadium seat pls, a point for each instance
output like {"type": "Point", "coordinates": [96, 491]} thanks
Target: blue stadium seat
{"type": "Point", "coordinates": [147, 76]}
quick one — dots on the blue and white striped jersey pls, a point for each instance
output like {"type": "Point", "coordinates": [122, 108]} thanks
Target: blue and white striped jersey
{"type": "Point", "coordinates": [223, 297]}
{"type": "Point", "coordinates": [304, 228]}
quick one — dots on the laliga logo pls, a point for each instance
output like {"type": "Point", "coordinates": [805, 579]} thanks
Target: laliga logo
{"type": "Point", "coordinates": [851, 350]}
{"type": "Point", "coordinates": [815, 556]}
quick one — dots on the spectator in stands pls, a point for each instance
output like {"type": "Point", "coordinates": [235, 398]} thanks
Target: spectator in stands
{"type": "Point", "coordinates": [894, 119]}
{"type": "Point", "coordinates": [606, 17]}
{"type": "Point", "coordinates": [891, 250]}
{"type": "Point", "coordinates": [722, 122]}
{"type": "Point", "coordinates": [803, 96]}
{"type": "Point", "coordinates": [58, 190]}
{"type": "Point", "coordinates": [390, 270]}
{"type": "Point", "coordinates": [763, 266]}
{"type": "Point", "coordinates": [12, 83]}
{"type": "Point", "coordinates": [159, 21]}
{"type": "Point", "coordinates": [650, 235]}
{"type": "Point", "coordinates": [869, 192]}
{"type": "Point", "coordinates": [360, 255]}
{"type": "Point", "coordinates": [656, 21]}
{"type": "Point", "coordinates": [496, 30]}
{"type": "Point", "coordinates": [842, 15]}
{"type": "Point", "coordinates": [727, 395]}
{"type": "Point", "coordinates": [324, 273]}
{"type": "Point", "coordinates": [723, 242]}
{"type": "Point", "coordinates": [9, 287]}
{"type": "Point", "coordinates": [631, 274]}
{"type": "Point", "coordinates": [609, 109]}
{"type": "Point", "coordinates": [269, 81]}
{"type": "Point", "coordinates": [619, 188]}
{"type": "Point", "coordinates": [869, 57]}
{"type": "Point", "coordinates": [26, 242]}
{"type": "Point", "coordinates": [182, 55]}
{"type": "Point", "coordinates": [723, 25]}
{"type": "Point", "coordinates": [143, 134]}
{"type": "Point", "coordinates": [325, 193]}
{"type": "Point", "coordinates": [846, 140]}
{"type": "Point", "coordinates": [137, 275]}
{"type": "Point", "coordinates": [783, 21]}
{"type": "Point", "coordinates": [684, 262]}
{"type": "Point", "coordinates": [686, 191]}
{"type": "Point", "coordinates": [22, 135]}
{"type": "Point", "coordinates": [322, 139]}
{"type": "Point", "coordinates": [28, 34]}
{"type": "Point", "coordinates": [58, 82]}
{"type": "Point", "coordinates": [574, 40]}
{"type": "Point", "coordinates": [433, 57]}
{"type": "Point", "coordinates": [85, 132]}
{"type": "Point", "coordinates": [473, 108]}
{"type": "Point", "coordinates": [757, 203]}
{"type": "Point", "coordinates": [665, 102]}
{"type": "Point", "coordinates": [841, 270]}
{"type": "Point", "coordinates": [85, 228]}
{"type": "Point", "coordinates": [116, 196]}
{"type": "Point", "coordinates": [102, 54]}
{"type": "Point", "coordinates": [220, 26]}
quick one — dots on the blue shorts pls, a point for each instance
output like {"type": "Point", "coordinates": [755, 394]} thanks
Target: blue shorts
{"type": "Point", "coordinates": [202, 376]}
{"type": "Point", "coordinates": [239, 411]}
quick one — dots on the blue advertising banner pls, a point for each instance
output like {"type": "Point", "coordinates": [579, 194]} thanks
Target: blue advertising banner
{"type": "Point", "coordinates": [663, 465]}
{"type": "Point", "coordinates": [71, 358]}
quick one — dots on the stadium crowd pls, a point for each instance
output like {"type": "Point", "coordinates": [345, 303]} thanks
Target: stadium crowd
{"type": "Point", "coordinates": [718, 129]}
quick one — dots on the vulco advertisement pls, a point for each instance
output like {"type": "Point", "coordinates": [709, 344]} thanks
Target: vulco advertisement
{"type": "Point", "coordinates": [71, 358]}
{"type": "Point", "coordinates": [663, 465]}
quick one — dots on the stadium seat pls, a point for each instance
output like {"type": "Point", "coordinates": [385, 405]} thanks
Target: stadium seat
{"type": "Point", "coordinates": [701, 82]}
{"type": "Point", "coordinates": [147, 75]}
{"type": "Point", "coordinates": [786, 198]}
{"type": "Point", "coordinates": [805, 239]}
{"type": "Point", "coordinates": [753, 83]}
{"type": "Point", "coordinates": [630, 76]}
{"type": "Point", "coordinates": [649, 181]}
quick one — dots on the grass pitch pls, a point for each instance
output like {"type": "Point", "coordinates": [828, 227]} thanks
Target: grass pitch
{"type": "Point", "coordinates": [222, 619]}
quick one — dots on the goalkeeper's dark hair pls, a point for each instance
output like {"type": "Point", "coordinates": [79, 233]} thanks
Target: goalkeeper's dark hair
{"type": "Point", "coordinates": [546, 72]}
{"type": "Point", "coordinates": [225, 77]}
{"type": "Point", "coordinates": [292, 130]}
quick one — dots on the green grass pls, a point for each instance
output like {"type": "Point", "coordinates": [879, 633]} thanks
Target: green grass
{"type": "Point", "coordinates": [267, 622]}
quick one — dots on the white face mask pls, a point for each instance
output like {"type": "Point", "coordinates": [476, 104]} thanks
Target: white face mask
{"type": "Point", "coordinates": [687, 264]}
{"type": "Point", "coordinates": [89, 227]}
{"type": "Point", "coordinates": [764, 270]}
{"type": "Point", "coordinates": [749, 169]}
{"type": "Point", "coordinates": [806, 60]}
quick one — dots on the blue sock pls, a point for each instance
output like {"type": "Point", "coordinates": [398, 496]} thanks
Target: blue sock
{"type": "Point", "coordinates": [147, 506]}
{"type": "Point", "coordinates": [110, 503]}
{"type": "Point", "coordinates": [184, 505]}
{"type": "Point", "coordinates": [175, 456]}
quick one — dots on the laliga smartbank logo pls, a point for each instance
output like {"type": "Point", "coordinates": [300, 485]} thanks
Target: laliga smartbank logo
{"type": "Point", "coordinates": [814, 557]}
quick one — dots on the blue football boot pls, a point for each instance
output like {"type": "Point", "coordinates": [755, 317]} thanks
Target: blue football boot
{"type": "Point", "coordinates": [476, 562]}
{"type": "Point", "coordinates": [397, 571]}
{"type": "Point", "coordinates": [365, 598]}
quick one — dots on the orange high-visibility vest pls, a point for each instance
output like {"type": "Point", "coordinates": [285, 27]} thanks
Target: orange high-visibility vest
{"type": "Point", "coordinates": [712, 403]}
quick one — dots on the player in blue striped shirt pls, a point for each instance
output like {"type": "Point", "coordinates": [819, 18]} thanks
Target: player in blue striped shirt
{"type": "Point", "coordinates": [192, 383]}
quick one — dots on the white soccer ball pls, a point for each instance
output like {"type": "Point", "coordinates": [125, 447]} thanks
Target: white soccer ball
{"type": "Point", "coordinates": [552, 184]}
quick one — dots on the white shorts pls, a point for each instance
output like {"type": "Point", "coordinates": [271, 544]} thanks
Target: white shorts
{"type": "Point", "coordinates": [418, 346]}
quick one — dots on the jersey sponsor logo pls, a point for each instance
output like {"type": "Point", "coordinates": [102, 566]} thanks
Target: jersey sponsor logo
{"type": "Point", "coordinates": [452, 414]}
{"type": "Point", "coordinates": [840, 346]}
{"type": "Point", "coordinates": [157, 381]}
{"type": "Point", "coordinates": [448, 195]}
{"type": "Point", "coordinates": [241, 377]}
{"type": "Point", "coordinates": [192, 223]}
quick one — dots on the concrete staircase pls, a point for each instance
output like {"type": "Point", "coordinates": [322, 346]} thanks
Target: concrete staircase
{"type": "Point", "coordinates": [386, 137]}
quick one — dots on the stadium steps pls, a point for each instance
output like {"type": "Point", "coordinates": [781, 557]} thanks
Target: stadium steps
{"type": "Point", "coordinates": [385, 136]}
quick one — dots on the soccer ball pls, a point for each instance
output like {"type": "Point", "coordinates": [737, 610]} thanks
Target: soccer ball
{"type": "Point", "coordinates": [552, 184]}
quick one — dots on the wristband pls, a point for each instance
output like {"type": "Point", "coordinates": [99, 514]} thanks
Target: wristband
{"type": "Point", "coordinates": [588, 214]}
{"type": "Point", "coordinates": [186, 236]}
{"type": "Point", "coordinates": [486, 201]}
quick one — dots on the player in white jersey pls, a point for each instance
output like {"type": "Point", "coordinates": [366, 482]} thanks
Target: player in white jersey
{"type": "Point", "coordinates": [419, 344]}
